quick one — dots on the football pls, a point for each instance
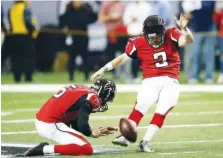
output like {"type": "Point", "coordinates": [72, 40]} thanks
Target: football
{"type": "Point", "coordinates": [128, 130]}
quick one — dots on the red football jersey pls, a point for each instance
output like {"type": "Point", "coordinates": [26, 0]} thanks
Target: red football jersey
{"type": "Point", "coordinates": [161, 61]}
{"type": "Point", "coordinates": [64, 105]}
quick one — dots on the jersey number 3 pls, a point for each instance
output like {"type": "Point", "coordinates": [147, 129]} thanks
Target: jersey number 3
{"type": "Point", "coordinates": [161, 59]}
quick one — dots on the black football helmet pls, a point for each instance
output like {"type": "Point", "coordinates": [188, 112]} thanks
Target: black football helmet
{"type": "Point", "coordinates": [106, 90]}
{"type": "Point", "coordinates": [153, 26]}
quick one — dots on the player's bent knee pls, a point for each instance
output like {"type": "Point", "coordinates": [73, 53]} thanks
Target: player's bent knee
{"type": "Point", "coordinates": [158, 120]}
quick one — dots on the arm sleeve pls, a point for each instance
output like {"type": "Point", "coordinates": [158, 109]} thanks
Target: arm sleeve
{"type": "Point", "coordinates": [28, 20]}
{"type": "Point", "coordinates": [73, 124]}
{"type": "Point", "coordinates": [130, 50]}
{"type": "Point", "coordinates": [83, 119]}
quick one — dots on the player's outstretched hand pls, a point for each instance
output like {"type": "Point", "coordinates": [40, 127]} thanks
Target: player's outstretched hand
{"type": "Point", "coordinates": [97, 132]}
{"type": "Point", "coordinates": [97, 75]}
{"type": "Point", "coordinates": [103, 131]}
{"type": "Point", "coordinates": [110, 130]}
{"type": "Point", "coordinates": [182, 22]}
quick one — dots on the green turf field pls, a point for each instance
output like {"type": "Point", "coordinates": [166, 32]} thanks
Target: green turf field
{"type": "Point", "coordinates": [193, 129]}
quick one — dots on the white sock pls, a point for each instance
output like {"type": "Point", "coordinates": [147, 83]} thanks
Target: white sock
{"type": "Point", "coordinates": [151, 132]}
{"type": "Point", "coordinates": [48, 149]}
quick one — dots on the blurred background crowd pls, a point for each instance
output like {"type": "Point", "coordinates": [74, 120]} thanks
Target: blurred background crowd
{"type": "Point", "coordinates": [66, 36]}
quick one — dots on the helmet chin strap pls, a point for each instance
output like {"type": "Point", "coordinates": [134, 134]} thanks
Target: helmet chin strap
{"type": "Point", "coordinates": [99, 91]}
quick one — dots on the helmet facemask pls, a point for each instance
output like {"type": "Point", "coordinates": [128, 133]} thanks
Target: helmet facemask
{"type": "Point", "coordinates": [155, 37]}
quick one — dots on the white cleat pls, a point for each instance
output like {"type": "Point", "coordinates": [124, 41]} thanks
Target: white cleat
{"type": "Point", "coordinates": [120, 140]}
{"type": "Point", "coordinates": [144, 147]}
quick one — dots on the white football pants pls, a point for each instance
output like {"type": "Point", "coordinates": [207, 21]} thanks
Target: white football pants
{"type": "Point", "coordinates": [161, 90]}
{"type": "Point", "coordinates": [59, 133]}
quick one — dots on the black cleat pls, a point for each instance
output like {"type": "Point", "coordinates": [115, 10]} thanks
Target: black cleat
{"type": "Point", "coordinates": [37, 150]}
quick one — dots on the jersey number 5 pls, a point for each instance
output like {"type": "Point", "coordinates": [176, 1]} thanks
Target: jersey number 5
{"type": "Point", "coordinates": [161, 59]}
{"type": "Point", "coordinates": [62, 91]}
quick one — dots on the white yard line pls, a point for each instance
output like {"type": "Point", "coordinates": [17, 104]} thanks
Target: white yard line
{"type": "Point", "coordinates": [113, 116]}
{"type": "Point", "coordinates": [161, 143]}
{"type": "Point", "coordinates": [117, 106]}
{"type": "Point", "coordinates": [120, 88]}
{"type": "Point", "coordinates": [23, 110]}
{"type": "Point", "coordinates": [221, 155]}
{"type": "Point", "coordinates": [95, 148]}
{"type": "Point", "coordinates": [17, 121]}
{"type": "Point", "coordinates": [140, 127]}
{"type": "Point", "coordinates": [189, 142]}
{"type": "Point", "coordinates": [187, 125]}
{"type": "Point", "coordinates": [6, 113]}
{"type": "Point", "coordinates": [183, 152]}
{"type": "Point", "coordinates": [15, 133]}
{"type": "Point", "coordinates": [188, 103]}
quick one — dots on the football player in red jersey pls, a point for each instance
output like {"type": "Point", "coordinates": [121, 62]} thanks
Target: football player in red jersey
{"type": "Point", "coordinates": [158, 52]}
{"type": "Point", "coordinates": [65, 117]}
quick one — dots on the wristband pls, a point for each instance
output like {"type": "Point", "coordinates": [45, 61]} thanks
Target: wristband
{"type": "Point", "coordinates": [109, 66]}
{"type": "Point", "coordinates": [185, 32]}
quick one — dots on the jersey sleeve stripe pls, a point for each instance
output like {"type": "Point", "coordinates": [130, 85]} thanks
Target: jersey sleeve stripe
{"type": "Point", "coordinates": [133, 50]}
{"type": "Point", "coordinates": [89, 96]}
{"type": "Point", "coordinates": [173, 38]}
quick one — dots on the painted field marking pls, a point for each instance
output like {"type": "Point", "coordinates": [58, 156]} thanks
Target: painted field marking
{"type": "Point", "coordinates": [17, 121]}
{"type": "Point", "coordinates": [183, 152]}
{"type": "Point", "coordinates": [121, 115]}
{"type": "Point", "coordinates": [98, 149]}
{"type": "Point", "coordinates": [221, 155]}
{"type": "Point", "coordinates": [6, 113]}
{"type": "Point", "coordinates": [140, 127]}
{"type": "Point", "coordinates": [189, 142]}
{"type": "Point", "coordinates": [181, 103]}
{"type": "Point", "coordinates": [132, 144]}
{"type": "Point", "coordinates": [187, 125]}
{"type": "Point", "coordinates": [120, 88]}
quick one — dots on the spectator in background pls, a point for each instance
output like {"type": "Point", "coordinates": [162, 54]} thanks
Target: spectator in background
{"type": "Point", "coordinates": [133, 19]}
{"type": "Point", "coordinates": [5, 44]}
{"type": "Point", "coordinates": [163, 9]}
{"type": "Point", "coordinates": [3, 28]}
{"type": "Point", "coordinates": [62, 6]}
{"type": "Point", "coordinates": [218, 18]}
{"type": "Point", "coordinates": [110, 14]}
{"type": "Point", "coordinates": [22, 29]}
{"type": "Point", "coordinates": [77, 17]}
{"type": "Point", "coordinates": [202, 25]}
